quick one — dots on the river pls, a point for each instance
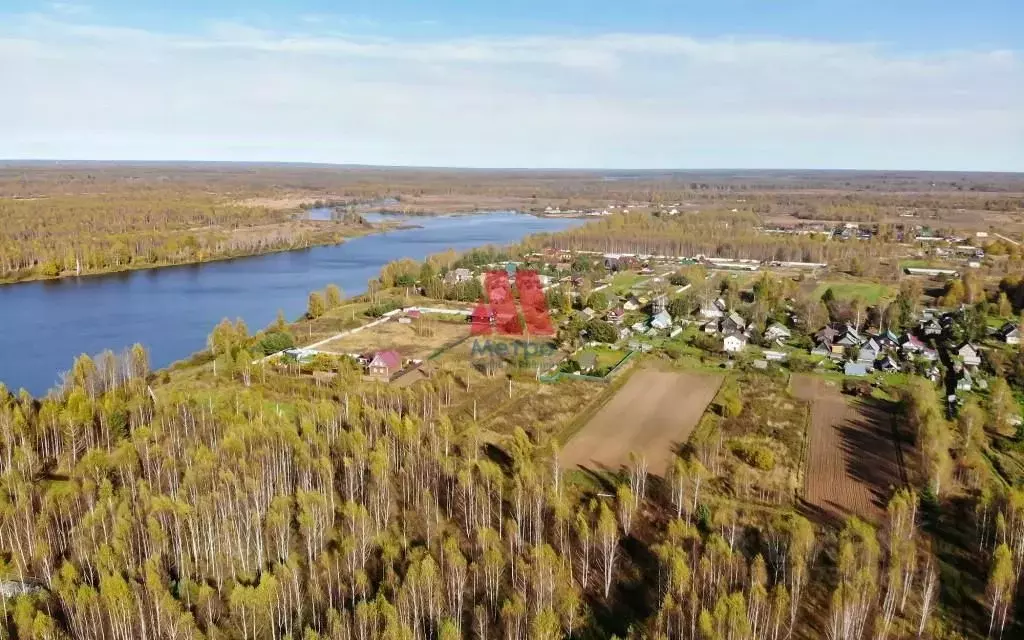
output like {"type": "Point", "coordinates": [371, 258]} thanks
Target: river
{"type": "Point", "coordinates": [45, 325]}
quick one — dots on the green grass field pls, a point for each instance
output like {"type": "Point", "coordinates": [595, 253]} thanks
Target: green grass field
{"type": "Point", "coordinates": [623, 280]}
{"type": "Point", "coordinates": [871, 292]}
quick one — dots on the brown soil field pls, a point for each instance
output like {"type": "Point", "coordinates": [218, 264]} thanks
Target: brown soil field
{"type": "Point", "coordinates": [651, 415]}
{"type": "Point", "coordinates": [402, 338]}
{"type": "Point", "coordinates": [853, 461]}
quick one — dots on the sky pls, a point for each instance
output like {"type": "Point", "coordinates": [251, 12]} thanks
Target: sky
{"type": "Point", "coordinates": [668, 84]}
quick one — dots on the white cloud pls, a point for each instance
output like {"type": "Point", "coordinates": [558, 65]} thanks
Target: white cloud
{"type": "Point", "coordinates": [616, 100]}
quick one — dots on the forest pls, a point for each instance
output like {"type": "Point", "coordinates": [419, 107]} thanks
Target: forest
{"type": "Point", "coordinates": [79, 218]}
{"type": "Point", "coordinates": [219, 514]}
{"type": "Point", "coordinates": [48, 237]}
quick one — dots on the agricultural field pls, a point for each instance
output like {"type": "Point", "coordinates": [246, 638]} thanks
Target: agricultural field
{"type": "Point", "coordinates": [853, 462]}
{"type": "Point", "coordinates": [651, 416]}
{"type": "Point", "coordinates": [417, 340]}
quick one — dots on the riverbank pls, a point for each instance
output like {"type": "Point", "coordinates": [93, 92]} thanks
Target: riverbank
{"type": "Point", "coordinates": [45, 325]}
{"type": "Point", "coordinates": [329, 238]}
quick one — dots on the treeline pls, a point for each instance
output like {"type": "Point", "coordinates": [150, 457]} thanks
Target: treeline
{"type": "Point", "coordinates": [215, 514]}
{"type": "Point", "coordinates": [53, 236]}
{"type": "Point", "coordinates": [715, 234]}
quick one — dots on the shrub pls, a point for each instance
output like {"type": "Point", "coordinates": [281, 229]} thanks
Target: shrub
{"type": "Point", "coordinates": [859, 388]}
{"type": "Point", "coordinates": [379, 309]}
{"type": "Point", "coordinates": [678, 279]}
{"type": "Point", "coordinates": [601, 331]}
{"type": "Point", "coordinates": [276, 341]}
{"type": "Point", "coordinates": [754, 454]}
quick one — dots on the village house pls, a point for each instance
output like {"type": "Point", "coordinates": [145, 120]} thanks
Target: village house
{"type": "Point", "coordinates": [1010, 333]}
{"type": "Point", "coordinates": [624, 333]}
{"type": "Point", "coordinates": [661, 320]}
{"type": "Point", "coordinates": [911, 344]}
{"type": "Point", "coordinates": [616, 315]}
{"type": "Point", "coordinates": [457, 276]}
{"type": "Point", "coordinates": [826, 335]}
{"type": "Point", "coordinates": [887, 364]}
{"type": "Point", "coordinates": [587, 361]}
{"type": "Point", "coordinates": [734, 342]}
{"type": "Point", "coordinates": [869, 352]}
{"type": "Point", "coordinates": [777, 332]}
{"type": "Point", "coordinates": [632, 304]}
{"type": "Point", "coordinates": [855, 369]}
{"type": "Point", "coordinates": [712, 310]}
{"type": "Point", "coordinates": [969, 354]}
{"type": "Point", "coordinates": [931, 327]}
{"type": "Point", "coordinates": [733, 323]}
{"type": "Point", "coordinates": [384, 364]}
{"type": "Point", "coordinates": [850, 338]}
{"type": "Point", "coordinates": [964, 382]}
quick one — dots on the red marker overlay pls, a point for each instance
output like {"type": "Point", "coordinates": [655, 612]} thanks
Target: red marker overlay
{"type": "Point", "coordinates": [534, 303]}
{"type": "Point", "coordinates": [500, 315]}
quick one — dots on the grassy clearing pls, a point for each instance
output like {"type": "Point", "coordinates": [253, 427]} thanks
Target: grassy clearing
{"type": "Point", "coordinates": [417, 340]}
{"type": "Point", "coordinates": [624, 280]}
{"type": "Point", "coordinates": [870, 292]}
{"type": "Point", "coordinates": [545, 406]}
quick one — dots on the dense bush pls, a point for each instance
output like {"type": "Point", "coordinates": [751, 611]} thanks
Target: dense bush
{"type": "Point", "coordinates": [379, 309]}
{"type": "Point", "coordinates": [601, 331]}
{"type": "Point", "coordinates": [276, 341]}
{"type": "Point", "coordinates": [754, 454]}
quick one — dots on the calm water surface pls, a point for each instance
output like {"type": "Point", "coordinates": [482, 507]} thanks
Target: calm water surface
{"type": "Point", "coordinates": [45, 325]}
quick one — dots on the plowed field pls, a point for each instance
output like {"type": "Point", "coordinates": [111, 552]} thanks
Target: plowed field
{"type": "Point", "coordinates": [651, 415]}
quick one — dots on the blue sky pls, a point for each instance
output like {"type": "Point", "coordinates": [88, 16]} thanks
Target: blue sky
{"type": "Point", "coordinates": [902, 84]}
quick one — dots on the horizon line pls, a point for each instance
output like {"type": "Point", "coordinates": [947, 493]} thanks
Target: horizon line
{"type": "Point", "coordinates": [355, 165]}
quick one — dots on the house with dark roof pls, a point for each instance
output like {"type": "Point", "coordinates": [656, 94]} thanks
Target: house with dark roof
{"type": "Point", "coordinates": [850, 338]}
{"type": "Point", "coordinates": [931, 327]}
{"type": "Point", "coordinates": [733, 323]}
{"type": "Point", "coordinates": [887, 364]}
{"type": "Point", "coordinates": [827, 334]}
{"type": "Point", "coordinates": [1010, 333]}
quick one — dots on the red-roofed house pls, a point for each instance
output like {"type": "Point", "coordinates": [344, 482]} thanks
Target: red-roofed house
{"type": "Point", "coordinates": [385, 364]}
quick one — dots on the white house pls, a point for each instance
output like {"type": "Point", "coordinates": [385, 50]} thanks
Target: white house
{"type": "Point", "coordinates": [1010, 333]}
{"type": "Point", "coordinates": [713, 310]}
{"type": "Point", "coordinates": [661, 320]}
{"type": "Point", "coordinates": [734, 343]}
{"type": "Point", "coordinates": [969, 354]}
